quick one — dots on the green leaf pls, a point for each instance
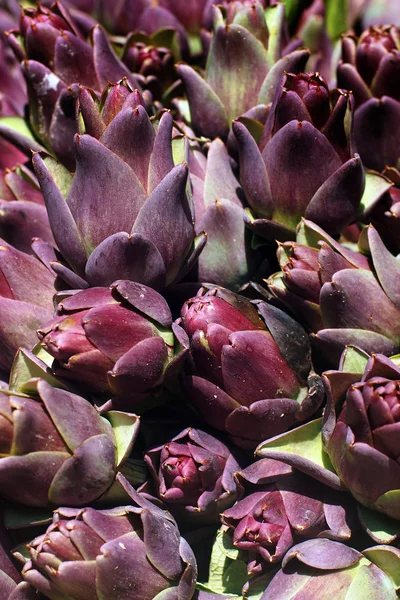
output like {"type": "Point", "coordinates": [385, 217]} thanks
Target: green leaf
{"type": "Point", "coordinates": [19, 125]}
{"type": "Point", "coordinates": [389, 502]}
{"type": "Point", "coordinates": [19, 517]}
{"type": "Point", "coordinates": [380, 527]}
{"type": "Point", "coordinates": [25, 372]}
{"type": "Point", "coordinates": [336, 12]}
{"type": "Point", "coordinates": [226, 575]}
{"type": "Point", "coordinates": [375, 186]}
{"type": "Point", "coordinates": [354, 360]}
{"type": "Point", "coordinates": [304, 442]}
{"type": "Point", "coordinates": [387, 559]}
{"type": "Point", "coordinates": [126, 428]}
{"type": "Point", "coordinates": [62, 177]}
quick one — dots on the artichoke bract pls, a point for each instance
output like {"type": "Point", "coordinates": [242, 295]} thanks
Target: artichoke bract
{"type": "Point", "coordinates": [363, 441]}
{"type": "Point", "coordinates": [23, 215]}
{"type": "Point", "coordinates": [277, 508]}
{"type": "Point", "coordinates": [10, 590]}
{"type": "Point", "coordinates": [228, 258]}
{"type": "Point", "coordinates": [193, 476]}
{"type": "Point", "coordinates": [26, 300]}
{"type": "Point", "coordinates": [116, 339]}
{"type": "Point", "coordinates": [370, 67]}
{"type": "Point", "coordinates": [327, 569]}
{"type": "Point", "coordinates": [131, 551]}
{"type": "Point", "coordinates": [47, 458]}
{"type": "Point", "coordinates": [253, 376]}
{"type": "Point", "coordinates": [304, 164]}
{"type": "Point", "coordinates": [126, 214]}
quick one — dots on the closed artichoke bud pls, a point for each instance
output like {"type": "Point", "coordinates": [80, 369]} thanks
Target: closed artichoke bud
{"type": "Point", "coordinates": [193, 475]}
{"type": "Point", "coordinates": [131, 551]}
{"type": "Point", "coordinates": [329, 569]}
{"type": "Point", "coordinates": [252, 365]}
{"type": "Point", "coordinates": [48, 459]}
{"type": "Point", "coordinates": [117, 340]}
{"type": "Point", "coordinates": [304, 271]}
{"type": "Point", "coordinates": [304, 164]}
{"type": "Point", "coordinates": [26, 300]}
{"type": "Point", "coordinates": [363, 441]}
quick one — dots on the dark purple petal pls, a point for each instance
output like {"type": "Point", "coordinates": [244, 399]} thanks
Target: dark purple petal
{"type": "Point", "coordinates": [140, 369]}
{"type": "Point", "coordinates": [161, 160]}
{"type": "Point", "coordinates": [108, 67]}
{"type": "Point", "coordinates": [323, 554]}
{"type": "Point", "coordinates": [130, 136]}
{"type": "Point", "coordinates": [124, 256]}
{"type": "Point", "coordinates": [387, 267]}
{"type": "Point", "coordinates": [73, 61]}
{"type": "Point", "coordinates": [298, 159]}
{"type": "Point", "coordinates": [355, 300]}
{"type": "Point", "coordinates": [336, 203]}
{"type": "Point", "coordinates": [377, 130]}
{"type": "Point", "coordinates": [105, 195]}
{"type": "Point", "coordinates": [146, 300]}
{"type": "Point", "coordinates": [166, 221]}
{"type": "Point", "coordinates": [61, 220]}
{"type": "Point", "coordinates": [253, 174]}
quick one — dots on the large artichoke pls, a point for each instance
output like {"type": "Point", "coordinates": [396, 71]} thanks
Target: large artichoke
{"type": "Point", "coordinates": [48, 458]}
{"type": "Point", "coordinates": [116, 339]}
{"type": "Point", "coordinates": [125, 214]}
{"type": "Point", "coordinates": [252, 366]}
{"type": "Point", "coordinates": [132, 551]}
{"type": "Point", "coordinates": [304, 164]}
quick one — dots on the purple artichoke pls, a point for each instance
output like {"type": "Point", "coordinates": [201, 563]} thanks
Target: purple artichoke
{"type": "Point", "coordinates": [244, 52]}
{"type": "Point", "coordinates": [26, 301]}
{"type": "Point", "coordinates": [252, 364]}
{"type": "Point", "coordinates": [132, 551]}
{"type": "Point", "coordinates": [48, 459]}
{"type": "Point", "coordinates": [193, 476]}
{"type": "Point", "coordinates": [304, 165]}
{"type": "Point", "coordinates": [339, 294]}
{"type": "Point", "coordinates": [56, 59]}
{"type": "Point", "coordinates": [279, 508]}
{"type": "Point", "coordinates": [126, 214]}
{"type": "Point", "coordinates": [328, 569]}
{"type": "Point", "coordinates": [370, 68]}
{"type": "Point", "coordinates": [116, 340]}
{"type": "Point", "coordinates": [363, 441]}
{"type": "Point", "coordinates": [10, 590]}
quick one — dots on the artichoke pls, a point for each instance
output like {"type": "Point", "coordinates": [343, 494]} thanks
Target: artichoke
{"type": "Point", "coordinates": [126, 214]}
{"type": "Point", "coordinates": [327, 569]}
{"type": "Point", "coordinates": [304, 165]}
{"type": "Point", "coordinates": [277, 508]}
{"type": "Point", "coordinates": [48, 459]}
{"type": "Point", "coordinates": [243, 66]}
{"type": "Point", "coordinates": [193, 475]}
{"type": "Point", "coordinates": [117, 340]}
{"type": "Point", "coordinates": [131, 551]}
{"type": "Point", "coordinates": [253, 375]}
{"type": "Point", "coordinates": [362, 442]}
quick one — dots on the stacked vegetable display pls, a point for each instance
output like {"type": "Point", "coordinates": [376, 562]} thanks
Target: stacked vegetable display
{"type": "Point", "coordinates": [199, 300]}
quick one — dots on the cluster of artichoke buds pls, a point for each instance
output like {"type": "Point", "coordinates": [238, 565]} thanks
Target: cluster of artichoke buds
{"type": "Point", "coordinates": [199, 300]}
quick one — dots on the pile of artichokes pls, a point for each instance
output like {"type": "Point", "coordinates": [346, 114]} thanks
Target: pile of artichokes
{"type": "Point", "coordinates": [199, 300]}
